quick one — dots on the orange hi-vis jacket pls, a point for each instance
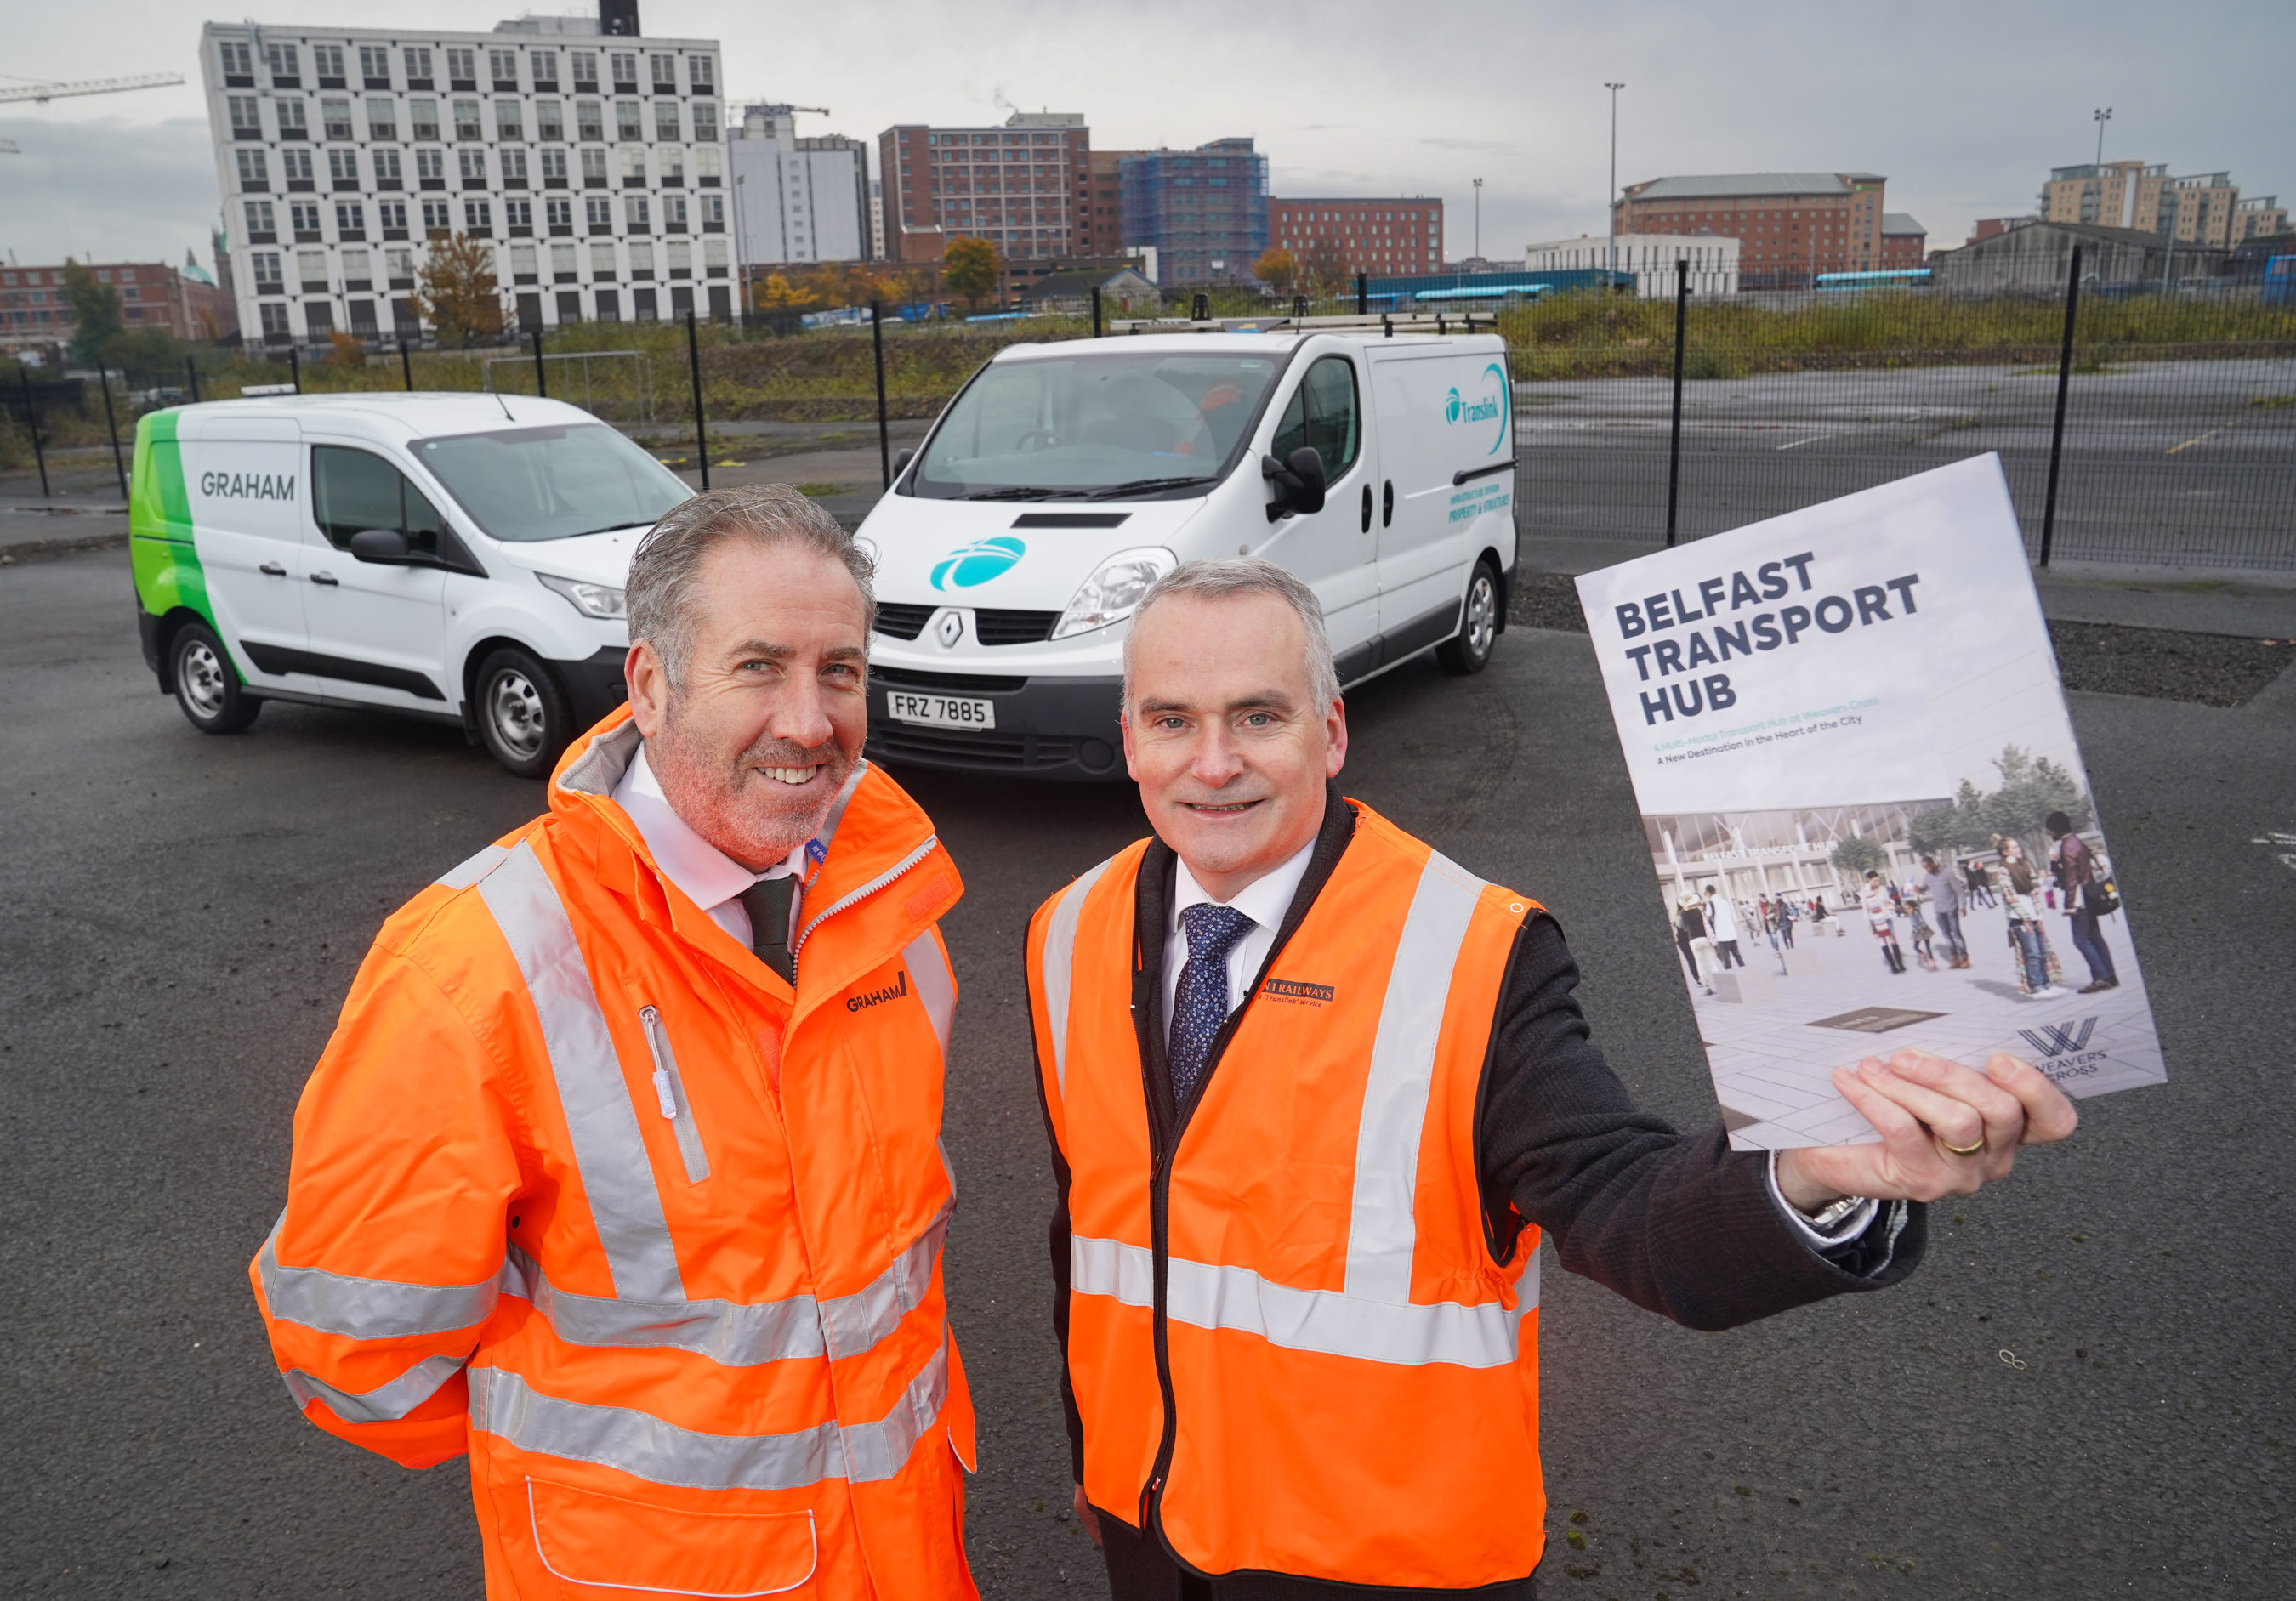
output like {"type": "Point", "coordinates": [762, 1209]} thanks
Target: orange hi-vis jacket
{"type": "Point", "coordinates": [1290, 1341]}
{"type": "Point", "coordinates": [581, 1187]}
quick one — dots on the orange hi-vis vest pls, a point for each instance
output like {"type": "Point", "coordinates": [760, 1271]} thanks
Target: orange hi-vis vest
{"type": "Point", "coordinates": [1290, 1343]}
{"type": "Point", "coordinates": [583, 1187]}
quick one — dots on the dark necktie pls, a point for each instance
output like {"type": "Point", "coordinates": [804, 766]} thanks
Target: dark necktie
{"type": "Point", "coordinates": [768, 903]}
{"type": "Point", "coordinates": [1200, 1004]}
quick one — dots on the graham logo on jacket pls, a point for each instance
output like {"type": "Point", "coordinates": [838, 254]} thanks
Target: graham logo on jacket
{"type": "Point", "coordinates": [1296, 992]}
{"type": "Point", "coordinates": [978, 562]}
{"type": "Point", "coordinates": [891, 992]}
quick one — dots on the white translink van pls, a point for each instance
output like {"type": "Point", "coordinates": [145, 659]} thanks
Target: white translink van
{"type": "Point", "coordinates": [460, 557]}
{"type": "Point", "coordinates": [1374, 463]}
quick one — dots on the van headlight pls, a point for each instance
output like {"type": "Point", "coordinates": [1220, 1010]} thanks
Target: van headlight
{"type": "Point", "coordinates": [591, 600]}
{"type": "Point", "coordinates": [1114, 591]}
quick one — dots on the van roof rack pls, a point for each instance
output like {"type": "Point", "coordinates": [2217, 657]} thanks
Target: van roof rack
{"type": "Point", "coordinates": [1389, 323]}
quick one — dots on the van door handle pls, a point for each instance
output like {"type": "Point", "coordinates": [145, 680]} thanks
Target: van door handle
{"type": "Point", "coordinates": [1367, 509]}
{"type": "Point", "coordinates": [328, 579]}
{"type": "Point", "coordinates": [1387, 504]}
{"type": "Point", "coordinates": [277, 571]}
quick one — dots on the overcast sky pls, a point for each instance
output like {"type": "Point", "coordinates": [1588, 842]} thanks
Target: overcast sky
{"type": "Point", "coordinates": [1963, 106]}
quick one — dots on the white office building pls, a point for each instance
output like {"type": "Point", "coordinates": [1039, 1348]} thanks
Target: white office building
{"type": "Point", "coordinates": [798, 199]}
{"type": "Point", "coordinates": [1651, 257]}
{"type": "Point", "coordinates": [594, 166]}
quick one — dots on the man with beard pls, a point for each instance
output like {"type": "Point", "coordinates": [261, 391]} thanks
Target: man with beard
{"type": "Point", "coordinates": [621, 1172]}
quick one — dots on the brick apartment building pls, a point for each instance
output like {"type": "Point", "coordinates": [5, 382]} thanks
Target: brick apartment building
{"type": "Point", "coordinates": [1204, 212]}
{"type": "Point", "coordinates": [1791, 225]}
{"type": "Point", "coordinates": [1021, 186]}
{"type": "Point", "coordinates": [34, 314]}
{"type": "Point", "coordinates": [1905, 242]}
{"type": "Point", "coordinates": [1389, 237]}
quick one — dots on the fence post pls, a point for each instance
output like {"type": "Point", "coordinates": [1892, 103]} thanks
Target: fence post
{"type": "Point", "coordinates": [295, 368]}
{"type": "Point", "coordinates": [103, 377]}
{"type": "Point", "coordinates": [877, 349]}
{"type": "Point", "coordinates": [541, 382]}
{"type": "Point", "coordinates": [2058, 433]}
{"type": "Point", "coordinates": [32, 421]}
{"type": "Point", "coordinates": [1363, 294]}
{"type": "Point", "coordinates": [406, 364]}
{"type": "Point", "coordinates": [192, 368]}
{"type": "Point", "coordinates": [1095, 311]}
{"type": "Point", "coordinates": [1674, 436]}
{"type": "Point", "coordinates": [701, 428]}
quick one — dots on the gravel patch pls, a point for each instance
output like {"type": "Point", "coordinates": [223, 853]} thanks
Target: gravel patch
{"type": "Point", "coordinates": [2107, 659]}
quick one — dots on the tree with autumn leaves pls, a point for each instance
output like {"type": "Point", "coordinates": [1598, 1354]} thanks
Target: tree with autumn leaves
{"type": "Point", "coordinates": [456, 292]}
{"type": "Point", "coordinates": [969, 267]}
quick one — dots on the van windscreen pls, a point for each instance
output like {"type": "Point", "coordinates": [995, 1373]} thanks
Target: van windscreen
{"type": "Point", "coordinates": [533, 484]}
{"type": "Point", "coordinates": [1100, 425]}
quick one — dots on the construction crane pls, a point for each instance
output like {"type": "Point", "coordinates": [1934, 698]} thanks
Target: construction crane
{"type": "Point", "coordinates": [45, 92]}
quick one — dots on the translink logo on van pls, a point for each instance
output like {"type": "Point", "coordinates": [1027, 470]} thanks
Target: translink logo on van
{"type": "Point", "coordinates": [1489, 405]}
{"type": "Point", "coordinates": [978, 562]}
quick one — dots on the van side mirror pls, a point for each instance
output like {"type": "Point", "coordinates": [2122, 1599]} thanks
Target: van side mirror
{"type": "Point", "coordinates": [385, 547]}
{"type": "Point", "coordinates": [1299, 483]}
{"type": "Point", "coordinates": [901, 461]}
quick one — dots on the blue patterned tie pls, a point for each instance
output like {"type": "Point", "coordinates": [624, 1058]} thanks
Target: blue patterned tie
{"type": "Point", "coordinates": [1201, 1005]}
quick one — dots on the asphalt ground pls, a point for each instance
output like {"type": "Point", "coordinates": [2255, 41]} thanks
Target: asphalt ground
{"type": "Point", "coordinates": [2085, 1392]}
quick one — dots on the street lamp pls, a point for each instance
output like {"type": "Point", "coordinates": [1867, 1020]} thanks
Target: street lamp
{"type": "Point", "coordinates": [1479, 219]}
{"type": "Point", "coordinates": [2103, 114]}
{"type": "Point", "coordinates": [1611, 201]}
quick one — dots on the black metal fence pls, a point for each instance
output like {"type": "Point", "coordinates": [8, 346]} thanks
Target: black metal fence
{"type": "Point", "coordinates": [2142, 432]}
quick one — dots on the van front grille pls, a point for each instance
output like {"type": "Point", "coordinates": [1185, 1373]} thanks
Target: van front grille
{"type": "Point", "coordinates": [897, 621]}
{"type": "Point", "coordinates": [1013, 627]}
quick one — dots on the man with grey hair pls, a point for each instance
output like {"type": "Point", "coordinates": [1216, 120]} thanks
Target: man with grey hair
{"type": "Point", "coordinates": [1314, 1091]}
{"type": "Point", "coordinates": [621, 1174]}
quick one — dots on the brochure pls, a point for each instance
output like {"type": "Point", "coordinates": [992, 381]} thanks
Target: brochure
{"type": "Point", "coordinates": [1865, 810]}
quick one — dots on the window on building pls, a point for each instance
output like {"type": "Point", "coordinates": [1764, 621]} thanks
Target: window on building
{"type": "Point", "coordinates": [713, 212]}
{"type": "Point", "coordinates": [430, 166]}
{"type": "Point", "coordinates": [628, 125]}
{"type": "Point", "coordinates": [285, 70]}
{"type": "Point", "coordinates": [673, 212]}
{"type": "Point", "coordinates": [559, 215]}
{"type": "Point", "coordinates": [350, 217]}
{"type": "Point", "coordinates": [275, 318]}
{"type": "Point", "coordinates": [543, 65]}
{"type": "Point", "coordinates": [553, 168]}
{"type": "Point", "coordinates": [640, 258]}
{"type": "Point", "coordinates": [594, 168]}
{"type": "Point", "coordinates": [467, 125]}
{"type": "Point", "coordinates": [702, 74]}
{"type": "Point", "coordinates": [671, 160]}
{"type": "Point", "coordinates": [550, 120]}
{"type": "Point", "coordinates": [600, 214]}
{"type": "Point", "coordinates": [474, 168]}
{"type": "Point", "coordinates": [423, 117]}
{"type": "Point", "coordinates": [586, 68]}
{"type": "Point", "coordinates": [634, 165]}
{"type": "Point", "coordinates": [710, 164]}
{"type": "Point", "coordinates": [438, 218]}
{"type": "Point", "coordinates": [254, 172]}
{"type": "Point", "coordinates": [356, 274]}
{"type": "Point", "coordinates": [518, 214]}
{"type": "Point", "coordinates": [665, 74]}
{"type": "Point", "coordinates": [561, 261]}
{"type": "Point", "coordinates": [478, 215]}
{"type": "Point", "coordinates": [589, 118]}
{"type": "Point", "coordinates": [297, 165]}
{"type": "Point", "coordinates": [624, 64]}
{"type": "Point", "coordinates": [303, 215]}
{"type": "Point", "coordinates": [386, 169]}
{"type": "Point", "coordinates": [513, 168]}
{"type": "Point", "coordinates": [393, 218]}
{"type": "Point", "coordinates": [501, 66]}
{"type": "Point", "coordinates": [521, 263]}
{"type": "Point", "coordinates": [259, 220]}
{"type": "Point", "coordinates": [342, 168]}
{"type": "Point", "coordinates": [462, 68]}
{"type": "Point", "coordinates": [601, 258]}
{"type": "Point", "coordinates": [382, 118]}
{"type": "Point", "coordinates": [238, 61]}
{"type": "Point", "coordinates": [266, 272]}
{"type": "Point", "coordinates": [418, 65]}
{"type": "Point", "coordinates": [637, 212]}
{"type": "Point", "coordinates": [509, 120]}
{"type": "Point", "coordinates": [705, 122]}
{"type": "Point", "coordinates": [327, 62]}
{"type": "Point", "coordinates": [374, 67]}
{"type": "Point", "coordinates": [714, 256]}
{"type": "Point", "coordinates": [679, 255]}
{"type": "Point", "coordinates": [246, 118]}
{"type": "Point", "coordinates": [664, 120]}
{"type": "Point", "coordinates": [311, 271]}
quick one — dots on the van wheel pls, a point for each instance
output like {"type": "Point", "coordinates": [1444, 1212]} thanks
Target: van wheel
{"type": "Point", "coordinates": [206, 687]}
{"type": "Point", "coordinates": [523, 716]}
{"type": "Point", "coordinates": [1469, 650]}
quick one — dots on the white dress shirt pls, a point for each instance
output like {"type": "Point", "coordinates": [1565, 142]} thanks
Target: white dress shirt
{"type": "Point", "coordinates": [1264, 900]}
{"type": "Point", "coordinates": [710, 877]}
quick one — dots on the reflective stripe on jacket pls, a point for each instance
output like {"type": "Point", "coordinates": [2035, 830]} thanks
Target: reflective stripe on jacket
{"type": "Point", "coordinates": [1301, 1272]}
{"type": "Point", "coordinates": [582, 1187]}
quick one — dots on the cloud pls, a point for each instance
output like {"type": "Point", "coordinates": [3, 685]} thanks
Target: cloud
{"type": "Point", "coordinates": [1499, 147]}
{"type": "Point", "coordinates": [107, 190]}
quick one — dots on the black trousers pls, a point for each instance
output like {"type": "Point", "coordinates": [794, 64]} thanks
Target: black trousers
{"type": "Point", "coordinates": [1139, 1569]}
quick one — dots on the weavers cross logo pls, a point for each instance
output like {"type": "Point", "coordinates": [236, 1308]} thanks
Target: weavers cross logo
{"type": "Point", "coordinates": [2059, 1039]}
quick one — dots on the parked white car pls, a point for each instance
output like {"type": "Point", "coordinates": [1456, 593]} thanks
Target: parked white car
{"type": "Point", "coordinates": [458, 557]}
{"type": "Point", "coordinates": [1065, 478]}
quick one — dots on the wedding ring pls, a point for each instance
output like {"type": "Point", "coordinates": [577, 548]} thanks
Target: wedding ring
{"type": "Point", "coordinates": [1966, 1151]}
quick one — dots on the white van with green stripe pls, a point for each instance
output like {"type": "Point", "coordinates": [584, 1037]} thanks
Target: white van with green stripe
{"type": "Point", "coordinates": [455, 556]}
